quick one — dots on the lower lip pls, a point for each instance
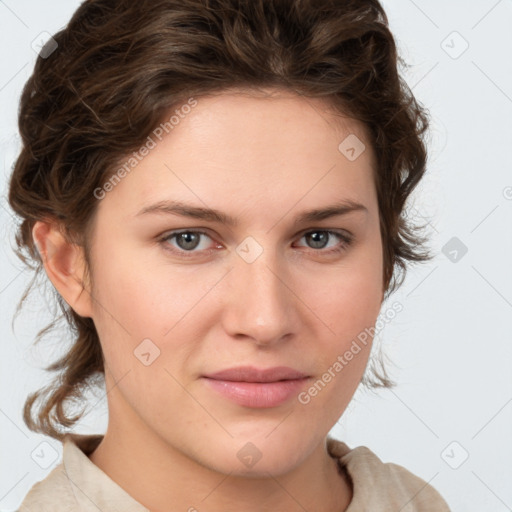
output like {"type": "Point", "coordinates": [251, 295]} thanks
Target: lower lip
{"type": "Point", "coordinates": [258, 394]}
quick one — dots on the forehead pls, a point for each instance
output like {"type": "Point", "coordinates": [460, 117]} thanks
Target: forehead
{"type": "Point", "coordinates": [242, 147]}
{"type": "Point", "coordinates": [244, 113]}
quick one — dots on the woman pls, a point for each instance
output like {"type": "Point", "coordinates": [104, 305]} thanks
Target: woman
{"type": "Point", "coordinates": [215, 190]}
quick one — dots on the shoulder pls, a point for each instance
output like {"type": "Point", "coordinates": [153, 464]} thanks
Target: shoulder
{"type": "Point", "coordinates": [57, 491]}
{"type": "Point", "coordinates": [53, 493]}
{"type": "Point", "coordinates": [384, 486]}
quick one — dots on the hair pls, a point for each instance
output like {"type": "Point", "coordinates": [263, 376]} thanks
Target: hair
{"type": "Point", "coordinates": [119, 67]}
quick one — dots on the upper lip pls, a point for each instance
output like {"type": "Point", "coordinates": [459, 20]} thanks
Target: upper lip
{"type": "Point", "coordinates": [251, 374]}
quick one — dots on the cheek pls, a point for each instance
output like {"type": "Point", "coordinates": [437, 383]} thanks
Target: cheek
{"type": "Point", "coordinates": [137, 296]}
{"type": "Point", "coordinates": [349, 304]}
{"type": "Point", "coordinates": [134, 302]}
{"type": "Point", "coordinates": [350, 308]}
{"type": "Point", "coordinates": [349, 299]}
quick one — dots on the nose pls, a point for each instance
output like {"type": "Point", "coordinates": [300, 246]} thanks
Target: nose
{"type": "Point", "coordinates": [260, 303]}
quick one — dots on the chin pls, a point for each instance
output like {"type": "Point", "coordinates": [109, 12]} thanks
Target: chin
{"type": "Point", "coordinates": [257, 455]}
{"type": "Point", "coordinates": [275, 465]}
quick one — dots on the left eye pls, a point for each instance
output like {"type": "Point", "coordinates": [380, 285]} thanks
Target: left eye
{"type": "Point", "coordinates": [188, 240]}
{"type": "Point", "coordinates": [320, 236]}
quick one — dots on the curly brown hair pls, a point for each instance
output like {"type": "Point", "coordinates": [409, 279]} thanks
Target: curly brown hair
{"type": "Point", "coordinates": [120, 65]}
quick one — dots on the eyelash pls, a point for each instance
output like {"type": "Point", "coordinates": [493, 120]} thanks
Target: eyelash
{"type": "Point", "coordinates": [345, 238]}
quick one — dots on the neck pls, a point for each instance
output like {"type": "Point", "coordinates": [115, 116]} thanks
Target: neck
{"type": "Point", "coordinates": [155, 474]}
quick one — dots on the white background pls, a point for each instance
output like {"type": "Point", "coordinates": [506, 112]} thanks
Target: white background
{"type": "Point", "coordinates": [451, 344]}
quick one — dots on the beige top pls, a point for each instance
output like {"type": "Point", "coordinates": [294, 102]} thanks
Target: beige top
{"type": "Point", "coordinates": [77, 484]}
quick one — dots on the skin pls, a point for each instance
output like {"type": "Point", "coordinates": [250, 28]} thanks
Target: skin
{"type": "Point", "coordinates": [170, 438]}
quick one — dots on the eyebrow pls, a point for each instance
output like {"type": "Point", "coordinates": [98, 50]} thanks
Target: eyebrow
{"type": "Point", "coordinates": [170, 207]}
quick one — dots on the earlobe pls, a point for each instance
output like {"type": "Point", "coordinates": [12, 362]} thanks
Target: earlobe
{"type": "Point", "coordinates": [65, 266]}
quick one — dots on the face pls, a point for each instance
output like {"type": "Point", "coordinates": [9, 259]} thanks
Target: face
{"type": "Point", "coordinates": [178, 297]}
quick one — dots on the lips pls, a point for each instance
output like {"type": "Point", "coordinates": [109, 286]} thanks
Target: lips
{"type": "Point", "coordinates": [257, 388]}
{"type": "Point", "coordinates": [251, 374]}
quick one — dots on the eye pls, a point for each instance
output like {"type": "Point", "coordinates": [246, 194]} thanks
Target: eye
{"type": "Point", "coordinates": [187, 241]}
{"type": "Point", "coordinates": [319, 237]}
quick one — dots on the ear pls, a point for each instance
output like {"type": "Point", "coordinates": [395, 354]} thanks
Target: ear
{"type": "Point", "coordinates": [65, 266]}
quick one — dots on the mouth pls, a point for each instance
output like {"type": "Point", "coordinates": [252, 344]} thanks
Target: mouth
{"type": "Point", "coordinates": [257, 388]}
{"type": "Point", "coordinates": [251, 374]}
